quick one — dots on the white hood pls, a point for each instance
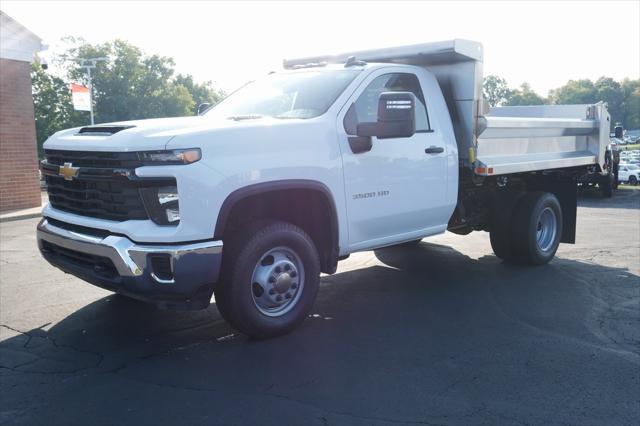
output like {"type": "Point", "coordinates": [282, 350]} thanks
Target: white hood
{"type": "Point", "coordinates": [223, 136]}
{"type": "Point", "coordinates": [139, 135]}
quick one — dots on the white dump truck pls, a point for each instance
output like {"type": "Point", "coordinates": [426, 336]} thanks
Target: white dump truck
{"type": "Point", "coordinates": [253, 199]}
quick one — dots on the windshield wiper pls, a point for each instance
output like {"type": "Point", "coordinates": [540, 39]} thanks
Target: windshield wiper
{"type": "Point", "coordinates": [245, 117]}
{"type": "Point", "coordinates": [289, 117]}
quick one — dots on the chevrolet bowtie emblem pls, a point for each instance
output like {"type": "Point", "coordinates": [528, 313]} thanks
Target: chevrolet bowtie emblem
{"type": "Point", "coordinates": [68, 172]}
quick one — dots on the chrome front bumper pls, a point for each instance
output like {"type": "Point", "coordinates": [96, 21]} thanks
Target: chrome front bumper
{"type": "Point", "coordinates": [116, 263]}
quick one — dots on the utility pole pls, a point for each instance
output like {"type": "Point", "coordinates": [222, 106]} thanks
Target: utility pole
{"type": "Point", "coordinates": [88, 64]}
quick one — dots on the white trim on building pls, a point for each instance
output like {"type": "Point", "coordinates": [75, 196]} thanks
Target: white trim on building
{"type": "Point", "coordinates": [16, 41]}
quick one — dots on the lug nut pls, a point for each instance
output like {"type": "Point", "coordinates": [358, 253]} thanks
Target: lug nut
{"type": "Point", "coordinates": [293, 274]}
{"type": "Point", "coordinates": [294, 286]}
{"type": "Point", "coordinates": [288, 296]}
{"type": "Point", "coordinates": [272, 291]}
{"type": "Point", "coordinates": [278, 269]}
{"type": "Point", "coordinates": [279, 298]}
{"type": "Point", "coordinates": [272, 279]}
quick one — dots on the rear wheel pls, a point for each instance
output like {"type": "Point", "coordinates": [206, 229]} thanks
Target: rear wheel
{"type": "Point", "coordinates": [501, 218]}
{"type": "Point", "coordinates": [633, 180]}
{"type": "Point", "coordinates": [501, 244]}
{"type": "Point", "coordinates": [270, 280]}
{"type": "Point", "coordinates": [536, 228]}
{"type": "Point", "coordinates": [606, 185]}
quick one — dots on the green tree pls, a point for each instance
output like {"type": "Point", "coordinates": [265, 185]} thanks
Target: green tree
{"type": "Point", "coordinates": [495, 90]}
{"type": "Point", "coordinates": [623, 99]}
{"type": "Point", "coordinates": [130, 85]}
{"type": "Point", "coordinates": [575, 92]}
{"type": "Point", "coordinates": [52, 105]}
{"type": "Point", "coordinates": [608, 90]}
{"type": "Point", "coordinates": [524, 95]}
{"type": "Point", "coordinates": [631, 103]}
{"type": "Point", "coordinates": [201, 93]}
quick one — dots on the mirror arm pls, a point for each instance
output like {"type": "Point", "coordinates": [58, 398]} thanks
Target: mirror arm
{"type": "Point", "coordinates": [368, 129]}
{"type": "Point", "coordinates": [202, 108]}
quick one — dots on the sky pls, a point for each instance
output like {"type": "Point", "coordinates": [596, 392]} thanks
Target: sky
{"type": "Point", "coordinates": [544, 43]}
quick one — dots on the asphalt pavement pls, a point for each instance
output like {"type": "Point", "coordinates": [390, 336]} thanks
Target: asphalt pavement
{"type": "Point", "coordinates": [441, 334]}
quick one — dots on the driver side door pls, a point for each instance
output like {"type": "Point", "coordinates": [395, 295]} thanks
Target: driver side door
{"type": "Point", "coordinates": [393, 186]}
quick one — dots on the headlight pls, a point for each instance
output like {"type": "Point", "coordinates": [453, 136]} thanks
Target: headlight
{"type": "Point", "coordinates": [176, 156]}
{"type": "Point", "coordinates": [162, 204]}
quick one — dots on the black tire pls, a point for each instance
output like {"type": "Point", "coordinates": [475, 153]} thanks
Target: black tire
{"type": "Point", "coordinates": [235, 293]}
{"type": "Point", "coordinates": [526, 223]}
{"type": "Point", "coordinates": [633, 180]}
{"type": "Point", "coordinates": [500, 230]}
{"type": "Point", "coordinates": [501, 243]}
{"type": "Point", "coordinates": [606, 185]}
{"type": "Point", "coordinates": [231, 251]}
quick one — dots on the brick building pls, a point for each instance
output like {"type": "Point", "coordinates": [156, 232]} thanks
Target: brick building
{"type": "Point", "coordinates": [19, 184]}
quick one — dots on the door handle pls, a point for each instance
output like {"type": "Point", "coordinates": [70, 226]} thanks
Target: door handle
{"type": "Point", "coordinates": [434, 150]}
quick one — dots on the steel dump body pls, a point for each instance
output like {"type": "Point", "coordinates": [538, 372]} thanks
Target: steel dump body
{"type": "Point", "coordinates": [528, 138]}
{"type": "Point", "coordinates": [502, 140]}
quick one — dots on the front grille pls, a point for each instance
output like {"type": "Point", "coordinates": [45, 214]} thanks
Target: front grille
{"type": "Point", "coordinates": [107, 199]}
{"type": "Point", "coordinates": [99, 265]}
{"type": "Point", "coordinates": [94, 191]}
{"type": "Point", "coordinates": [93, 159]}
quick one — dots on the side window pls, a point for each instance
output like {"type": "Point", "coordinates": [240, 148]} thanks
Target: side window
{"type": "Point", "coordinates": [365, 109]}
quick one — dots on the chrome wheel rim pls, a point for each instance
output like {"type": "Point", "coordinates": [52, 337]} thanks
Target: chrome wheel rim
{"type": "Point", "coordinates": [546, 229]}
{"type": "Point", "coordinates": [277, 281]}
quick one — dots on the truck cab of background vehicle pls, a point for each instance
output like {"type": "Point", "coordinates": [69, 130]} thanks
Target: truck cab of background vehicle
{"type": "Point", "coordinates": [253, 199]}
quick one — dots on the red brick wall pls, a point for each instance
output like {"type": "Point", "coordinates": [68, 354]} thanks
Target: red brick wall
{"type": "Point", "coordinates": [19, 185]}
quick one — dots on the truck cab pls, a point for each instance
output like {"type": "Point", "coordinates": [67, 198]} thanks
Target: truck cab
{"type": "Point", "coordinates": [253, 199]}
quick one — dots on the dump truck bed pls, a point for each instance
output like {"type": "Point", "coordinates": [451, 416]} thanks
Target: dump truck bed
{"type": "Point", "coordinates": [530, 138]}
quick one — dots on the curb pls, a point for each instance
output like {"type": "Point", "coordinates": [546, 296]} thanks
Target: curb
{"type": "Point", "coordinates": [19, 217]}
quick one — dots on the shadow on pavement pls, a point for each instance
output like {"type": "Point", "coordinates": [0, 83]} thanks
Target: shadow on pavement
{"type": "Point", "coordinates": [431, 336]}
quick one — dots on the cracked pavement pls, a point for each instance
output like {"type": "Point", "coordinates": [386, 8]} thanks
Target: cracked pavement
{"type": "Point", "coordinates": [444, 334]}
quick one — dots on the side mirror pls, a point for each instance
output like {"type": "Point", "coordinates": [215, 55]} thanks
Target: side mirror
{"type": "Point", "coordinates": [618, 132]}
{"type": "Point", "coordinates": [396, 117]}
{"type": "Point", "coordinates": [203, 107]}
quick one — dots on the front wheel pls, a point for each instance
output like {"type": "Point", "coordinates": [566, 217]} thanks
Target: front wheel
{"type": "Point", "coordinates": [270, 280]}
{"type": "Point", "coordinates": [633, 180]}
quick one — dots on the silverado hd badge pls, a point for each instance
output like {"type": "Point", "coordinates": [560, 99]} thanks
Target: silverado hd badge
{"type": "Point", "coordinates": [370, 194]}
{"type": "Point", "coordinates": [68, 172]}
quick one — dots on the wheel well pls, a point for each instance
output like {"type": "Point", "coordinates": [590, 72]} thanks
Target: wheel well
{"type": "Point", "coordinates": [308, 206]}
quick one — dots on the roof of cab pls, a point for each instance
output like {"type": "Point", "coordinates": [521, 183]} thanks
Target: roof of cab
{"type": "Point", "coordinates": [457, 50]}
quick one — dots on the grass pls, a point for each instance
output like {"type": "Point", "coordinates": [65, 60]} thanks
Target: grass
{"type": "Point", "coordinates": [630, 147]}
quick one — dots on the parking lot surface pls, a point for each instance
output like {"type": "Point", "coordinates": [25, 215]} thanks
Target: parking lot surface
{"type": "Point", "coordinates": [441, 334]}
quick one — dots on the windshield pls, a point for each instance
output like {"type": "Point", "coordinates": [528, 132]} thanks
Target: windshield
{"type": "Point", "coordinates": [304, 94]}
{"type": "Point", "coordinates": [632, 167]}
